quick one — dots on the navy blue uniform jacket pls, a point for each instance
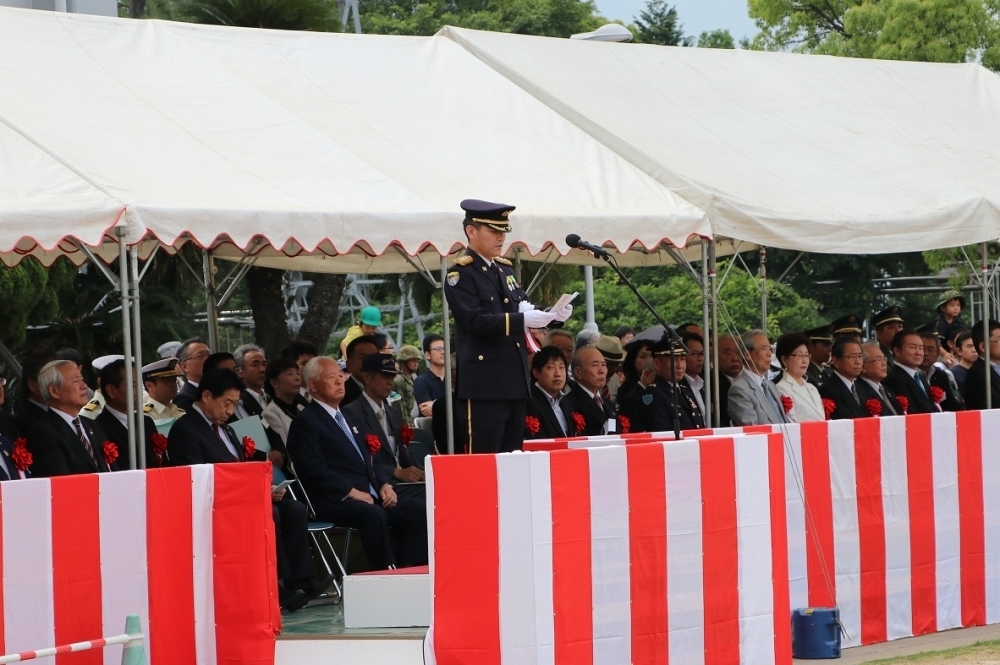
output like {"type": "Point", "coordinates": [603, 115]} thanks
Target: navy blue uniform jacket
{"type": "Point", "coordinates": [489, 330]}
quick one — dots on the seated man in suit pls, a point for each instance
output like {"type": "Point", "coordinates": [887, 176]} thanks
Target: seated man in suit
{"type": "Point", "coordinates": [191, 361]}
{"type": "Point", "coordinates": [870, 384]}
{"type": "Point", "coordinates": [201, 436]}
{"type": "Point", "coordinates": [730, 368]}
{"type": "Point", "coordinates": [974, 387]}
{"type": "Point", "coordinates": [371, 415]}
{"type": "Point", "coordinates": [752, 398]}
{"type": "Point", "coordinates": [905, 378]}
{"type": "Point", "coordinates": [359, 349]}
{"type": "Point", "coordinates": [842, 385]}
{"type": "Point", "coordinates": [114, 422]}
{"type": "Point", "coordinates": [548, 414]}
{"type": "Point", "coordinates": [335, 467]}
{"type": "Point", "coordinates": [60, 442]}
{"type": "Point", "coordinates": [596, 414]}
{"type": "Point", "coordinates": [33, 405]}
{"type": "Point", "coordinates": [937, 375]}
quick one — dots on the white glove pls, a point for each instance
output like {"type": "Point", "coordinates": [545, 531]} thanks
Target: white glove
{"type": "Point", "coordinates": [537, 319]}
{"type": "Point", "coordinates": [524, 306]}
{"type": "Point", "coordinates": [564, 313]}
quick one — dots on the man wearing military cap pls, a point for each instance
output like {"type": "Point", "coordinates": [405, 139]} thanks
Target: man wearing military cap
{"type": "Point", "coordinates": [847, 326]}
{"type": "Point", "coordinates": [408, 358]}
{"type": "Point", "coordinates": [492, 322]}
{"type": "Point", "coordinates": [656, 401]}
{"type": "Point", "coordinates": [887, 323]}
{"type": "Point", "coordinates": [160, 381]}
{"type": "Point", "coordinates": [820, 342]}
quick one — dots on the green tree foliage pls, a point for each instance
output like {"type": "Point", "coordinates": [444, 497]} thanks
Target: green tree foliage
{"type": "Point", "coordinates": [658, 23]}
{"type": "Point", "coordinates": [29, 294]}
{"type": "Point", "coordinates": [678, 300]}
{"type": "Point", "coordinates": [550, 18]}
{"type": "Point", "coordinates": [921, 30]}
{"type": "Point", "coordinates": [716, 39]}
{"type": "Point", "coordinates": [317, 15]}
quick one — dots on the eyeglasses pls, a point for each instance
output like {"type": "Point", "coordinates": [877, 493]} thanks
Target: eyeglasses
{"type": "Point", "coordinates": [438, 349]}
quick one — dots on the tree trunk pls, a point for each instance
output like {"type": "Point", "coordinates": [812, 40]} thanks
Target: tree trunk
{"type": "Point", "coordinates": [324, 309]}
{"type": "Point", "coordinates": [267, 299]}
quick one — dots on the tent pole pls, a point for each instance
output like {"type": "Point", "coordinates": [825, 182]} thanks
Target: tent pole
{"type": "Point", "coordinates": [714, 300]}
{"type": "Point", "coordinates": [449, 402]}
{"type": "Point", "coordinates": [707, 367]}
{"type": "Point", "coordinates": [762, 271]}
{"type": "Point", "coordinates": [123, 285]}
{"type": "Point", "coordinates": [140, 421]}
{"type": "Point", "coordinates": [211, 307]}
{"type": "Point", "coordinates": [983, 249]}
{"type": "Point", "coordinates": [588, 283]}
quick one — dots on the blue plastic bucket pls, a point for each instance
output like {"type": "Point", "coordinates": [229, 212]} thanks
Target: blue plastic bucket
{"type": "Point", "coordinates": [815, 633]}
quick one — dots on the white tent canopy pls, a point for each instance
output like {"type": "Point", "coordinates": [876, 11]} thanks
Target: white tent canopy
{"type": "Point", "coordinates": [813, 153]}
{"type": "Point", "coordinates": [344, 143]}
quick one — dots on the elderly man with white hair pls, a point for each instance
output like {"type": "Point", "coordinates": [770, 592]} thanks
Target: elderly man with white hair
{"type": "Point", "coordinates": [334, 465]}
{"type": "Point", "coordinates": [753, 399]}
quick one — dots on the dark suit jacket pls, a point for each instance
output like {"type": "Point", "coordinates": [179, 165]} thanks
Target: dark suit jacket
{"type": "Point", "coordinates": [8, 470]}
{"type": "Point", "coordinates": [352, 391]}
{"type": "Point", "coordinates": [253, 408]}
{"type": "Point", "coordinates": [360, 415]}
{"type": "Point", "coordinates": [549, 427]}
{"type": "Point", "coordinates": [250, 403]}
{"type": "Point", "coordinates": [847, 407]}
{"type": "Point", "coordinates": [327, 463]}
{"type": "Point", "coordinates": [952, 396]}
{"type": "Point", "coordinates": [57, 451]}
{"type": "Point", "coordinates": [866, 392]}
{"type": "Point", "coordinates": [725, 383]}
{"type": "Point", "coordinates": [118, 435]}
{"type": "Point", "coordinates": [596, 418]}
{"type": "Point", "coordinates": [29, 417]}
{"type": "Point", "coordinates": [193, 441]}
{"type": "Point", "coordinates": [660, 410]}
{"type": "Point", "coordinates": [906, 386]}
{"type": "Point", "coordinates": [439, 426]}
{"type": "Point", "coordinates": [8, 426]}
{"type": "Point", "coordinates": [974, 388]}
{"type": "Point", "coordinates": [186, 396]}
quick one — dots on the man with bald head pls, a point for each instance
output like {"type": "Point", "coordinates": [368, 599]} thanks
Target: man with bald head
{"type": "Point", "coordinates": [334, 464]}
{"type": "Point", "coordinates": [590, 371]}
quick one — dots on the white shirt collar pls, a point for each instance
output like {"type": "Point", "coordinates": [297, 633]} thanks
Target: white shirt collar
{"type": "Point", "coordinates": [489, 262]}
{"type": "Point", "coordinates": [65, 416]}
{"type": "Point", "coordinates": [847, 382]}
{"type": "Point", "coordinates": [696, 381]}
{"type": "Point", "coordinates": [909, 370]}
{"type": "Point", "coordinates": [329, 409]}
{"type": "Point", "coordinates": [375, 405]}
{"type": "Point", "coordinates": [118, 415]}
{"type": "Point", "coordinates": [555, 400]}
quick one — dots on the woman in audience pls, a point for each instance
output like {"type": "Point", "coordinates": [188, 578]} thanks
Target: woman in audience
{"type": "Point", "coordinates": [799, 398]}
{"type": "Point", "coordinates": [637, 353]}
{"type": "Point", "coordinates": [282, 383]}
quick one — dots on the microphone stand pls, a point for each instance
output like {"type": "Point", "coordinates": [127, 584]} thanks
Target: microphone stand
{"type": "Point", "coordinates": [675, 339]}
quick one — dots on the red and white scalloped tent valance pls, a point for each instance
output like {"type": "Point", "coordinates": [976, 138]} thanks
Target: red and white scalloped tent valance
{"type": "Point", "coordinates": [308, 140]}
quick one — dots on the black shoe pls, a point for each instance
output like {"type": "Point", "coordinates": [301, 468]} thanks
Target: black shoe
{"type": "Point", "coordinates": [291, 600]}
{"type": "Point", "coordinates": [315, 588]}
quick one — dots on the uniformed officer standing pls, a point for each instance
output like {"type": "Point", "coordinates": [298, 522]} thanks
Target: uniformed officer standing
{"type": "Point", "coordinates": [492, 315]}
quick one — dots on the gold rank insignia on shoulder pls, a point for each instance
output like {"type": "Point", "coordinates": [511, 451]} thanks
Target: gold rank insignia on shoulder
{"type": "Point", "coordinates": [91, 405]}
{"type": "Point", "coordinates": [463, 260]}
{"type": "Point", "coordinates": [504, 261]}
{"type": "Point", "coordinates": [147, 408]}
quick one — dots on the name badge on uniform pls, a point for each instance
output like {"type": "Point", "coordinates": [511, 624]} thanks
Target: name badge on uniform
{"type": "Point", "coordinates": [453, 278]}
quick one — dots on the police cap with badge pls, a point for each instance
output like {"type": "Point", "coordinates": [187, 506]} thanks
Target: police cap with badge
{"type": "Point", "coordinates": [161, 369]}
{"type": "Point", "coordinates": [846, 325]}
{"type": "Point", "coordinates": [819, 335]}
{"type": "Point", "coordinates": [493, 215]}
{"type": "Point", "coordinates": [893, 314]}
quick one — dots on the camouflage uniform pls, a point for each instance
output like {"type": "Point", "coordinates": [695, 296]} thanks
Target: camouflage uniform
{"type": "Point", "coordinates": [403, 383]}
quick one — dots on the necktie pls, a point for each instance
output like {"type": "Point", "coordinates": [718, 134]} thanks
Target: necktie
{"type": "Point", "coordinates": [885, 398]}
{"type": "Point", "coordinates": [606, 392]}
{"type": "Point", "coordinates": [84, 440]}
{"type": "Point", "coordinates": [854, 392]}
{"type": "Point", "coordinates": [598, 402]}
{"type": "Point", "coordinates": [923, 383]}
{"type": "Point", "coordinates": [350, 437]}
{"type": "Point", "coordinates": [381, 421]}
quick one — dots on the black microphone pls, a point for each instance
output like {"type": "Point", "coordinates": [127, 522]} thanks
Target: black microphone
{"type": "Point", "coordinates": [574, 241]}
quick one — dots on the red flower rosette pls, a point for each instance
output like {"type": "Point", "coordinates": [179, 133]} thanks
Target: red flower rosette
{"type": "Point", "coordinates": [532, 424]}
{"type": "Point", "coordinates": [110, 451]}
{"type": "Point", "coordinates": [874, 407]}
{"type": "Point", "coordinates": [406, 434]}
{"type": "Point", "coordinates": [159, 445]}
{"type": "Point", "coordinates": [625, 424]}
{"type": "Point", "coordinates": [21, 455]}
{"type": "Point", "coordinates": [937, 394]}
{"type": "Point", "coordinates": [829, 406]}
{"type": "Point", "coordinates": [249, 447]}
{"type": "Point", "coordinates": [786, 403]}
{"type": "Point", "coordinates": [579, 421]}
{"type": "Point", "coordinates": [374, 444]}
{"type": "Point", "coordinates": [903, 403]}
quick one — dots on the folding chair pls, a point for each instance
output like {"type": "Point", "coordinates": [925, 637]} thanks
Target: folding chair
{"type": "Point", "coordinates": [316, 528]}
{"type": "Point", "coordinates": [421, 446]}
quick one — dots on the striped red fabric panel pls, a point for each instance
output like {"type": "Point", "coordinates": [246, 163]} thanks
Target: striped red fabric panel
{"type": "Point", "coordinates": [647, 490]}
{"type": "Point", "coordinates": [720, 541]}
{"type": "Point", "coordinates": [820, 558]}
{"type": "Point", "coordinates": [923, 559]}
{"type": "Point", "coordinates": [76, 564]}
{"type": "Point", "coordinates": [466, 545]}
{"type": "Point", "coordinates": [571, 558]}
{"type": "Point", "coordinates": [779, 549]}
{"type": "Point", "coordinates": [169, 544]}
{"type": "Point", "coordinates": [972, 518]}
{"type": "Point", "coordinates": [871, 528]}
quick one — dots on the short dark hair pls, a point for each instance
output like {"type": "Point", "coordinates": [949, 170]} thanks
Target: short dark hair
{"type": "Point", "coordinates": [357, 341]}
{"type": "Point", "coordinates": [960, 340]}
{"type": "Point", "coordinates": [214, 360]}
{"type": "Point", "coordinates": [32, 365]}
{"type": "Point", "coordinates": [430, 339]}
{"type": "Point", "coordinates": [682, 328]}
{"type": "Point", "coordinates": [838, 350]}
{"type": "Point", "coordinates": [977, 332]}
{"type": "Point", "coordinates": [931, 335]}
{"type": "Point", "coordinates": [276, 369]}
{"type": "Point", "coordinates": [692, 337]}
{"type": "Point", "coordinates": [218, 382]}
{"type": "Point", "coordinates": [380, 339]}
{"type": "Point", "coordinates": [898, 338]}
{"type": "Point", "coordinates": [621, 331]}
{"type": "Point", "coordinates": [113, 374]}
{"type": "Point", "coordinates": [299, 348]}
{"type": "Point", "coordinates": [788, 342]}
{"type": "Point", "coordinates": [182, 352]}
{"type": "Point", "coordinates": [632, 351]}
{"type": "Point", "coordinates": [546, 355]}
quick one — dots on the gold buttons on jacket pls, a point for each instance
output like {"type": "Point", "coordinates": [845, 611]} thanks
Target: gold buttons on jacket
{"type": "Point", "coordinates": [505, 301]}
{"type": "Point", "coordinates": [480, 357]}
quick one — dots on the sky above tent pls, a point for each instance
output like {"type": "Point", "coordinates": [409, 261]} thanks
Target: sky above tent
{"type": "Point", "coordinates": [697, 16]}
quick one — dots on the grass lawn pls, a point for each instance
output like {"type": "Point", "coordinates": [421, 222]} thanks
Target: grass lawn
{"type": "Point", "coordinates": [980, 653]}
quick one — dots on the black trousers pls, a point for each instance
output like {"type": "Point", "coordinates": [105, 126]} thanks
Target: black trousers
{"type": "Point", "coordinates": [291, 539]}
{"type": "Point", "coordinates": [492, 425]}
{"type": "Point", "coordinates": [408, 518]}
